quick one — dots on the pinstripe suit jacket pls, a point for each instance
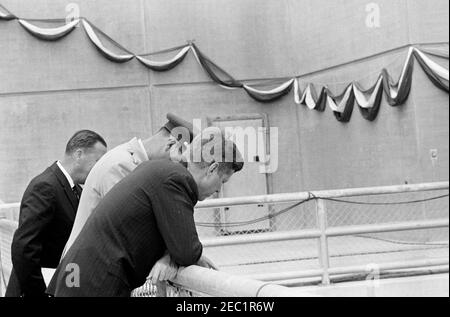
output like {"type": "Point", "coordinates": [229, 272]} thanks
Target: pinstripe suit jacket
{"type": "Point", "coordinates": [149, 211]}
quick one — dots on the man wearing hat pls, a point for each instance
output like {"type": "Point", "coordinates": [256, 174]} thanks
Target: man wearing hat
{"type": "Point", "coordinates": [149, 212]}
{"type": "Point", "coordinates": [122, 160]}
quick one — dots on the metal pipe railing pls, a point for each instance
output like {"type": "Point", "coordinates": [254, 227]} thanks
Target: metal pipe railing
{"type": "Point", "coordinates": [378, 228]}
{"type": "Point", "coordinates": [330, 232]}
{"type": "Point", "coordinates": [323, 232]}
{"type": "Point", "coordinates": [221, 284]}
{"type": "Point", "coordinates": [261, 237]}
{"type": "Point", "coordinates": [295, 197]}
{"type": "Point", "coordinates": [349, 270]}
{"type": "Point", "coordinates": [324, 257]}
{"type": "Point", "coordinates": [440, 269]}
{"type": "Point", "coordinates": [7, 206]}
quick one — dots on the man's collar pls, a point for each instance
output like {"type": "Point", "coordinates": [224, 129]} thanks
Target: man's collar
{"type": "Point", "coordinates": [67, 175]}
{"type": "Point", "coordinates": [143, 149]}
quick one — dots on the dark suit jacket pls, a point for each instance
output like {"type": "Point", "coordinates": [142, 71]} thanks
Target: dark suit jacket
{"type": "Point", "coordinates": [47, 213]}
{"type": "Point", "coordinates": [147, 212]}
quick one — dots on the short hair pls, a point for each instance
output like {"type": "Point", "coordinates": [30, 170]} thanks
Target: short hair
{"type": "Point", "coordinates": [83, 139]}
{"type": "Point", "coordinates": [216, 148]}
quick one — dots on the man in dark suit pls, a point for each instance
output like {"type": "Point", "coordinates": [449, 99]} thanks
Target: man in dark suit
{"type": "Point", "coordinates": [147, 212]}
{"type": "Point", "coordinates": [47, 213]}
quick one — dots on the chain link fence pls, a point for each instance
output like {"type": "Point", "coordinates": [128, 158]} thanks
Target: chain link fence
{"type": "Point", "coordinates": [303, 254]}
{"type": "Point", "coordinates": [271, 257]}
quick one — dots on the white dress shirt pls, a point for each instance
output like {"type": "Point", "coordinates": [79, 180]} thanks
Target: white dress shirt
{"type": "Point", "coordinates": [143, 149]}
{"type": "Point", "coordinates": [69, 179]}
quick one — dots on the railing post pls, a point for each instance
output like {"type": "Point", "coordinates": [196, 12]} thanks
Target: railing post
{"type": "Point", "coordinates": [323, 241]}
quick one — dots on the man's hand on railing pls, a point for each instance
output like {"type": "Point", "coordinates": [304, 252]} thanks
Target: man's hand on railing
{"type": "Point", "coordinates": [164, 269]}
{"type": "Point", "coordinates": [207, 263]}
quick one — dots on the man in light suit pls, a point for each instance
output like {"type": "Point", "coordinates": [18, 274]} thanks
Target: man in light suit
{"type": "Point", "coordinates": [167, 143]}
{"type": "Point", "coordinates": [121, 161]}
{"type": "Point", "coordinates": [149, 211]}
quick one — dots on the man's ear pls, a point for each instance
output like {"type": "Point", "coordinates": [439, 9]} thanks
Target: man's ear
{"type": "Point", "coordinates": [170, 142]}
{"type": "Point", "coordinates": [77, 154]}
{"type": "Point", "coordinates": [214, 167]}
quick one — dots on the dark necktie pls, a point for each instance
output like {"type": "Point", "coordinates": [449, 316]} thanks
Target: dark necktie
{"type": "Point", "coordinates": [76, 192]}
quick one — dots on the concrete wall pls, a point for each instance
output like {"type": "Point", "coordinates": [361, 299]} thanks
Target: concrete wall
{"type": "Point", "coordinates": [48, 90]}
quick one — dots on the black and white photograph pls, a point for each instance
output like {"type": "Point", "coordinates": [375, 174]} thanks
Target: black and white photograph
{"type": "Point", "coordinates": [224, 149]}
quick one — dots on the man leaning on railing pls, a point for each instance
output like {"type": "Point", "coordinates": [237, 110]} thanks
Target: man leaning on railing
{"type": "Point", "coordinates": [149, 211]}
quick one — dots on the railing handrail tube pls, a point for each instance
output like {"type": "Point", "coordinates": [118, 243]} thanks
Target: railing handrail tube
{"type": "Point", "coordinates": [222, 284]}
{"type": "Point", "coordinates": [330, 232]}
{"type": "Point", "coordinates": [349, 269]}
{"type": "Point", "coordinates": [336, 193]}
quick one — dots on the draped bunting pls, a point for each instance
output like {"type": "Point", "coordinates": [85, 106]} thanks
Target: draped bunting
{"type": "Point", "coordinates": [342, 105]}
{"type": "Point", "coordinates": [117, 58]}
{"type": "Point", "coordinates": [216, 73]}
{"type": "Point", "coordinates": [296, 91]}
{"type": "Point", "coordinates": [5, 14]}
{"type": "Point", "coordinates": [437, 74]}
{"type": "Point", "coordinates": [166, 65]}
{"type": "Point", "coordinates": [49, 34]}
{"type": "Point", "coordinates": [269, 95]}
{"type": "Point", "coordinates": [397, 93]}
{"type": "Point", "coordinates": [309, 98]}
{"type": "Point", "coordinates": [436, 52]}
{"type": "Point", "coordinates": [368, 100]}
{"type": "Point", "coordinates": [339, 103]}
